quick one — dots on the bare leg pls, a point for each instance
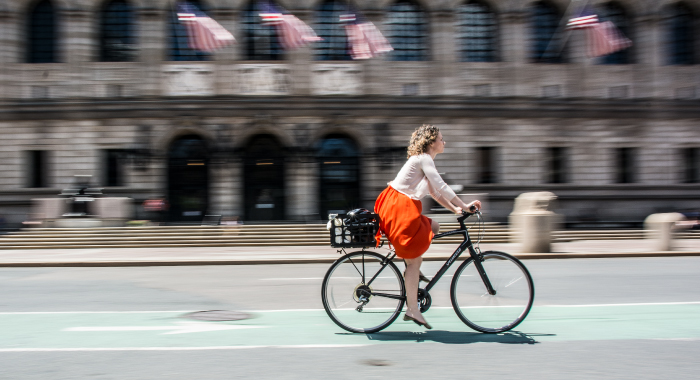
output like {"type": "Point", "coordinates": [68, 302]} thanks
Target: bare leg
{"type": "Point", "coordinates": [435, 226]}
{"type": "Point", "coordinates": [412, 271]}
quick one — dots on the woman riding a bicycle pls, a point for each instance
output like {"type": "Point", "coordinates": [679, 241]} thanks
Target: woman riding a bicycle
{"type": "Point", "coordinates": [399, 208]}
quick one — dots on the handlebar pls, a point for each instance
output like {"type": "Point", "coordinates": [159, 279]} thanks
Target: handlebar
{"type": "Point", "coordinates": [465, 214]}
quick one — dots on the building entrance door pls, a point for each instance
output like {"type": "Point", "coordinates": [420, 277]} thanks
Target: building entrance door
{"type": "Point", "coordinates": [188, 179]}
{"type": "Point", "coordinates": [264, 180]}
{"type": "Point", "coordinates": [338, 158]}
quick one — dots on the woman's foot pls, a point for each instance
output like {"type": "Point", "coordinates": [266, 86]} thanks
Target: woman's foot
{"type": "Point", "coordinates": [421, 322]}
{"type": "Point", "coordinates": [422, 277]}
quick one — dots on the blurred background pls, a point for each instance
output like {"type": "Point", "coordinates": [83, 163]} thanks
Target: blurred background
{"type": "Point", "coordinates": [103, 101]}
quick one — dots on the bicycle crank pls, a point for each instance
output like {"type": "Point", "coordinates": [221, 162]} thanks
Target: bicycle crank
{"type": "Point", "coordinates": [424, 300]}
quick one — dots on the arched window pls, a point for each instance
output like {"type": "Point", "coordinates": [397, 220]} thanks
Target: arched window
{"type": "Point", "coordinates": [477, 32]}
{"type": "Point", "coordinates": [614, 13]}
{"type": "Point", "coordinates": [260, 42]}
{"type": "Point", "coordinates": [680, 35]}
{"type": "Point", "coordinates": [408, 31]}
{"type": "Point", "coordinates": [179, 49]}
{"type": "Point", "coordinates": [188, 178]}
{"type": "Point", "coordinates": [264, 178]}
{"type": "Point", "coordinates": [546, 44]}
{"type": "Point", "coordinates": [334, 46]}
{"type": "Point", "coordinates": [339, 176]}
{"type": "Point", "coordinates": [41, 34]}
{"type": "Point", "coordinates": [117, 32]}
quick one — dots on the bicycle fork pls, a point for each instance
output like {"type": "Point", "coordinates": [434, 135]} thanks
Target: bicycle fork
{"type": "Point", "coordinates": [478, 259]}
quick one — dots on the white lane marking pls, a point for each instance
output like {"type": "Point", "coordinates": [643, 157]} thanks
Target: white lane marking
{"type": "Point", "coordinates": [351, 278]}
{"type": "Point", "coordinates": [309, 310]}
{"type": "Point", "coordinates": [78, 349]}
{"type": "Point", "coordinates": [96, 312]}
{"type": "Point", "coordinates": [311, 278]}
{"type": "Point", "coordinates": [626, 304]}
{"type": "Point", "coordinates": [679, 339]}
{"type": "Point", "coordinates": [181, 328]}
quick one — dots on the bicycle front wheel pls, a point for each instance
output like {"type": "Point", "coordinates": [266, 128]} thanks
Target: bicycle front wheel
{"type": "Point", "coordinates": [498, 312]}
{"type": "Point", "coordinates": [363, 292]}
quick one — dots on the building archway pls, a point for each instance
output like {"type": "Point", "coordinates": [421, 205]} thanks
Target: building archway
{"type": "Point", "coordinates": [263, 179]}
{"type": "Point", "coordinates": [188, 179]}
{"type": "Point", "coordinates": [339, 174]}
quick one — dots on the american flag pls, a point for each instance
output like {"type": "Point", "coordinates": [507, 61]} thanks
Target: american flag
{"type": "Point", "coordinates": [203, 33]}
{"type": "Point", "coordinates": [602, 38]}
{"type": "Point", "coordinates": [293, 32]}
{"type": "Point", "coordinates": [364, 38]}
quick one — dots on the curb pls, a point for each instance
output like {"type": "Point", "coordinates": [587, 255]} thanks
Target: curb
{"type": "Point", "coordinates": [324, 260]}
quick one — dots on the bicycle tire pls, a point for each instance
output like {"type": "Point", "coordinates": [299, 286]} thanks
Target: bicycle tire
{"type": "Point", "coordinates": [492, 313]}
{"type": "Point", "coordinates": [343, 285]}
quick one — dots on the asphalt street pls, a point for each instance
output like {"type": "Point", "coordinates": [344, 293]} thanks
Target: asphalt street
{"type": "Point", "coordinates": [593, 318]}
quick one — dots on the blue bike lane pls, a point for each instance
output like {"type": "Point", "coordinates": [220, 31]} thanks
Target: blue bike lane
{"type": "Point", "coordinates": [169, 330]}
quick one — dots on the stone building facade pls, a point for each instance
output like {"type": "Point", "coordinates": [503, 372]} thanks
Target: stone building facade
{"type": "Point", "coordinates": [294, 136]}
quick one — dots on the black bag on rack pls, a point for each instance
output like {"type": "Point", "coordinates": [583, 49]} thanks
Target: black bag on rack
{"type": "Point", "coordinates": [356, 229]}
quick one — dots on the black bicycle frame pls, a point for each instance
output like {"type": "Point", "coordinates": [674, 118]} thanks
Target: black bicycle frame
{"type": "Point", "coordinates": [465, 245]}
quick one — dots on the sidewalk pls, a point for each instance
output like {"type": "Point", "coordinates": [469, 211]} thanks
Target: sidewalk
{"type": "Point", "coordinates": [309, 254]}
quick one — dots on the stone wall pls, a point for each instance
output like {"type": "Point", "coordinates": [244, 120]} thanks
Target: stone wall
{"type": "Point", "coordinates": [78, 107]}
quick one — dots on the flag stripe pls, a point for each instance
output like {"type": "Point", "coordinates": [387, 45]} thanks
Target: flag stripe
{"type": "Point", "coordinates": [365, 39]}
{"type": "Point", "coordinates": [602, 38]}
{"type": "Point", "coordinates": [203, 33]}
{"type": "Point", "coordinates": [293, 32]}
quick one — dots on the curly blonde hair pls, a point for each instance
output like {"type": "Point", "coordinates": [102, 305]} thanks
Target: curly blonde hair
{"type": "Point", "coordinates": [421, 139]}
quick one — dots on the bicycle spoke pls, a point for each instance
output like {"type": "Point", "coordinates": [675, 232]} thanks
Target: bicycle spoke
{"type": "Point", "coordinates": [358, 271]}
{"type": "Point", "coordinates": [497, 312]}
{"type": "Point", "coordinates": [514, 281]}
{"type": "Point", "coordinates": [357, 303]}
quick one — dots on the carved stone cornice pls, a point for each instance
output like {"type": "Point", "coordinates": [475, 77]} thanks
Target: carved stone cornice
{"type": "Point", "coordinates": [150, 12]}
{"type": "Point", "coordinates": [513, 16]}
{"type": "Point", "coordinates": [76, 13]}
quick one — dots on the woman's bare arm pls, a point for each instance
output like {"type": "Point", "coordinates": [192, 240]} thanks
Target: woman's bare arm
{"type": "Point", "coordinates": [447, 204]}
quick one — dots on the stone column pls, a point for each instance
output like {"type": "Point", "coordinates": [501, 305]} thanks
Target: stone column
{"type": "Point", "coordinates": [9, 36]}
{"type": "Point", "coordinates": [237, 192]}
{"type": "Point", "coordinates": [9, 49]}
{"type": "Point", "coordinates": [74, 36]}
{"type": "Point", "coordinates": [647, 55]}
{"type": "Point", "coordinates": [227, 18]}
{"type": "Point", "coordinates": [75, 49]}
{"type": "Point", "coordinates": [443, 54]}
{"type": "Point", "coordinates": [376, 69]}
{"type": "Point", "coordinates": [514, 44]}
{"type": "Point", "coordinates": [153, 29]}
{"type": "Point", "coordinates": [300, 59]}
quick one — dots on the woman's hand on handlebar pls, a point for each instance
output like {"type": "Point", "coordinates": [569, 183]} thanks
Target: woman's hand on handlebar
{"type": "Point", "coordinates": [474, 207]}
{"type": "Point", "coordinates": [458, 211]}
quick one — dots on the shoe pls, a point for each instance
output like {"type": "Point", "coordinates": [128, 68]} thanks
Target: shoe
{"type": "Point", "coordinates": [419, 323]}
{"type": "Point", "coordinates": [421, 277]}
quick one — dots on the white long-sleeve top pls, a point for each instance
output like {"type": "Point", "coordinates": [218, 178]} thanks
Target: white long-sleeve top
{"type": "Point", "coordinates": [418, 177]}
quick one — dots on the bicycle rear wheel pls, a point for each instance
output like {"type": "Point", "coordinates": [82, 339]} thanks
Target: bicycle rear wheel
{"type": "Point", "coordinates": [502, 311]}
{"type": "Point", "coordinates": [357, 303]}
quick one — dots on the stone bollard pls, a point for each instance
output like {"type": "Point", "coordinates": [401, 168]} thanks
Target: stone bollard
{"type": "Point", "coordinates": [48, 208]}
{"type": "Point", "coordinates": [659, 228]}
{"type": "Point", "coordinates": [112, 211]}
{"type": "Point", "coordinates": [532, 221]}
{"type": "Point", "coordinates": [112, 207]}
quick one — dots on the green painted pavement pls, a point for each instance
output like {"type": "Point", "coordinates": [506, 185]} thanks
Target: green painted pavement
{"type": "Point", "coordinates": [303, 328]}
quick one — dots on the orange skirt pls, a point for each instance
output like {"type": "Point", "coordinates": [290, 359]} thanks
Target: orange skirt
{"type": "Point", "coordinates": [403, 224]}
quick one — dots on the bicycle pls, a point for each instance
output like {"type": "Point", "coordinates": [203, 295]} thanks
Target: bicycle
{"type": "Point", "coordinates": [491, 292]}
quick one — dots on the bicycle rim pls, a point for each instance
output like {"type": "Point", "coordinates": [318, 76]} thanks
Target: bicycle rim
{"type": "Point", "coordinates": [346, 284]}
{"type": "Point", "coordinates": [492, 313]}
